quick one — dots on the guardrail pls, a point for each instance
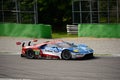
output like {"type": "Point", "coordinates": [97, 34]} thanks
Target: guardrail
{"type": "Point", "coordinates": [72, 29]}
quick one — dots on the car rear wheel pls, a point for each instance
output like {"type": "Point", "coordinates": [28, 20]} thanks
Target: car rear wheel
{"type": "Point", "coordinates": [30, 54]}
{"type": "Point", "coordinates": [66, 55]}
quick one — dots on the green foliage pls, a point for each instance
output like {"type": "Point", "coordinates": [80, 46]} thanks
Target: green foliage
{"type": "Point", "coordinates": [55, 12]}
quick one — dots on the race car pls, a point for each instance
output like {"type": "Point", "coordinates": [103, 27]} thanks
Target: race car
{"type": "Point", "coordinates": [56, 49]}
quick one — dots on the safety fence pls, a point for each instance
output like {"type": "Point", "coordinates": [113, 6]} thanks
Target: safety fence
{"type": "Point", "coordinates": [26, 30]}
{"type": "Point", "coordinates": [99, 30]}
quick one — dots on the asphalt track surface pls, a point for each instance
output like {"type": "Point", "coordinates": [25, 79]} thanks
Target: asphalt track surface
{"type": "Point", "coordinates": [100, 68]}
{"type": "Point", "coordinates": [105, 65]}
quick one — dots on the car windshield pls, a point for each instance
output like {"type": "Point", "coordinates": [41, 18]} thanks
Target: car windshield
{"type": "Point", "coordinates": [65, 45]}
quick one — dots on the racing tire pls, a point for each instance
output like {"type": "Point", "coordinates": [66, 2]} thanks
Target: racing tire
{"type": "Point", "coordinates": [66, 55]}
{"type": "Point", "coordinates": [30, 54]}
{"type": "Point", "coordinates": [22, 55]}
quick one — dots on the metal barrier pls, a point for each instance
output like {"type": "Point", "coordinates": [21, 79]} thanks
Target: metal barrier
{"type": "Point", "coordinates": [72, 29]}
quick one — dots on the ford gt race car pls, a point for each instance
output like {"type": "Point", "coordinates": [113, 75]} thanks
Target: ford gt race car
{"type": "Point", "coordinates": [56, 49]}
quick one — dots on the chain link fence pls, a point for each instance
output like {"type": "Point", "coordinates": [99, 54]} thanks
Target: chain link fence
{"type": "Point", "coordinates": [18, 11]}
{"type": "Point", "coordinates": [96, 11]}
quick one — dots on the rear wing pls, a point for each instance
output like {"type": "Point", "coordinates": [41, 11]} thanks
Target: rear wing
{"type": "Point", "coordinates": [24, 42]}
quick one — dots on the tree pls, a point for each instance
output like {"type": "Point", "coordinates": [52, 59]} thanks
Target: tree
{"type": "Point", "coordinates": [55, 12]}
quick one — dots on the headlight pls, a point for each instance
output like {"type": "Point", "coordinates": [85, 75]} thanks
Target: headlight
{"type": "Point", "coordinates": [76, 50]}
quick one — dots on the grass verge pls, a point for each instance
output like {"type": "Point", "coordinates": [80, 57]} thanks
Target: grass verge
{"type": "Point", "coordinates": [63, 35]}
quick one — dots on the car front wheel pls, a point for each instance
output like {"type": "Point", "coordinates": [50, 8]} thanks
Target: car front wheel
{"type": "Point", "coordinates": [66, 55]}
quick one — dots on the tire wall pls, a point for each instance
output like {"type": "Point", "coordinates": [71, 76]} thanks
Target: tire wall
{"type": "Point", "coordinates": [99, 30]}
{"type": "Point", "coordinates": [26, 30]}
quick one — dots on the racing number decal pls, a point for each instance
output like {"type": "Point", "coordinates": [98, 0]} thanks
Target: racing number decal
{"type": "Point", "coordinates": [37, 52]}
